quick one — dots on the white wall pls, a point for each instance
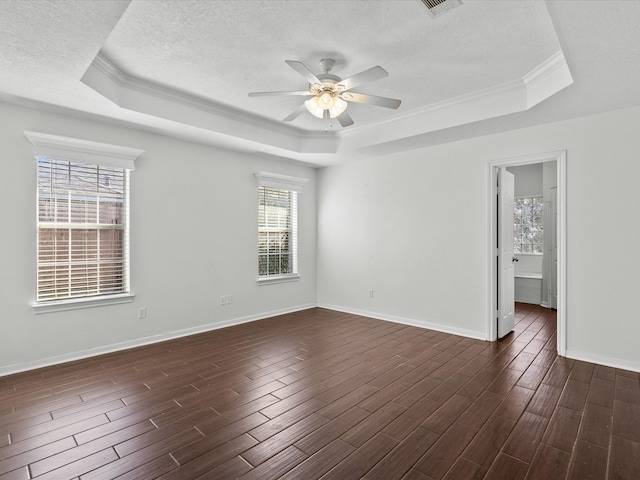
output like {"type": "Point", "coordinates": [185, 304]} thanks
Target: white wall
{"type": "Point", "coordinates": [413, 227]}
{"type": "Point", "coordinates": [193, 239]}
{"type": "Point", "coordinates": [528, 180]}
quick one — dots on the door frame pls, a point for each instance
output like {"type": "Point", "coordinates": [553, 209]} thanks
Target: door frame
{"type": "Point", "coordinates": [561, 176]}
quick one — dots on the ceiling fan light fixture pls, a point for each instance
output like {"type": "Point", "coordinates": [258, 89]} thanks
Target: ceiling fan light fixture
{"type": "Point", "coordinates": [325, 100]}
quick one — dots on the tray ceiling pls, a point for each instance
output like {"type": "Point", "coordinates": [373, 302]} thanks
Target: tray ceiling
{"type": "Point", "coordinates": [185, 68]}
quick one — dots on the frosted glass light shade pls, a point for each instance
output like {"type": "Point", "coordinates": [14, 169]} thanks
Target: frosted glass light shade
{"type": "Point", "coordinates": [314, 107]}
{"type": "Point", "coordinates": [318, 104]}
{"type": "Point", "coordinates": [338, 107]}
{"type": "Point", "coordinates": [326, 100]}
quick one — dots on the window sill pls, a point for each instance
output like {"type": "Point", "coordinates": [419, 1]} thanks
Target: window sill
{"type": "Point", "coordinates": [278, 279]}
{"type": "Point", "coordinates": [80, 303]}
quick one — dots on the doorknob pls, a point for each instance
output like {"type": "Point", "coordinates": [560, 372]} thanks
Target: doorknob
{"type": "Point", "coordinates": [515, 259]}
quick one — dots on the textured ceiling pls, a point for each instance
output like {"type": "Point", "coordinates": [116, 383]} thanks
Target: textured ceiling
{"type": "Point", "coordinates": [223, 50]}
{"type": "Point", "coordinates": [212, 53]}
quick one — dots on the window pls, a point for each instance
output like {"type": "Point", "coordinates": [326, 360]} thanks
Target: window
{"type": "Point", "coordinates": [277, 232]}
{"type": "Point", "coordinates": [82, 220]}
{"type": "Point", "coordinates": [278, 226]}
{"type": "Point", "coordinates": [82, 230]}
{"type": "Point", "coordinates": [527, 228]}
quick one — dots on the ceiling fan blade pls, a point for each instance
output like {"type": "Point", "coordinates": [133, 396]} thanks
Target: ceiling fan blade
{"type": "Point", "coordinates": [266, 94]}
{"type": "Point", "coordinates": [345, 119]}
{"type": "Point", "coordinates": [295, 114]}
{"type": "Point", "coordinates": [373, 73]}
{"type": "Point", "coordinates": [304, 71]}
{"type": "Point", "coordinates": [371, 99]}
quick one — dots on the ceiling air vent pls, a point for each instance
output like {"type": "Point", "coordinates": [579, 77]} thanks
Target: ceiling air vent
{"type": "Point", "coordinates": [440, 7]}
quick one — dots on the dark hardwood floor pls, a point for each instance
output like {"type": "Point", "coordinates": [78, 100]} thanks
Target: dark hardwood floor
{"type": "Point", "coordinates": [322, 394]}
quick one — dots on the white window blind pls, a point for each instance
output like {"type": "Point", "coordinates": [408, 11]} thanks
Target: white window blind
{"type": "Point", "coordinates": [83, 219]}
{"type": "Point", "coordinates": [277, 232]}
{"type": "Point", "coordinates": [278, 225]}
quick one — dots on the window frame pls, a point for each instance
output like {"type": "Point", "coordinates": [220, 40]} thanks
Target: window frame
{"type": "Point", "coordinates": [66, 149]}
{"type": "Point", "coordinates": [293, 185]}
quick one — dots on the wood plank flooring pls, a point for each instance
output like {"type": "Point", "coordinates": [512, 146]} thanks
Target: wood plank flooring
{"type": "Point", "coordinates": [323, 394]}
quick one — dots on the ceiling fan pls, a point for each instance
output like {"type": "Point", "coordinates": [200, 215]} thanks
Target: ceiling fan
{"type": "Point", "coordinates": [330, 94]}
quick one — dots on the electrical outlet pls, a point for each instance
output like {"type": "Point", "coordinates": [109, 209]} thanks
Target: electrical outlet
{"type": "Point", "coordinates": [223, 301]}
{"type": "Point", "coordinates": [229, 299]}
{"type": "Point", "coordinates": [142, 312]}
{"type": "Point", "coordinates": [371, 293]}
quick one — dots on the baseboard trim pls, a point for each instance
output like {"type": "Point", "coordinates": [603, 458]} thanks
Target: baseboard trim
{"type": "Point", "coordinates": [84, 354]}
{"type": "Point", "coordinates": [478, 335]}
{"type": "Point", "coordinates": [603, 360]}
{"type": "Point", "coordinates": [140, 342]}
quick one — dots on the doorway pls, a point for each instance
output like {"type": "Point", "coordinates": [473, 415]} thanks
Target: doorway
{"type": "Point", "coordinates": [559, 249]}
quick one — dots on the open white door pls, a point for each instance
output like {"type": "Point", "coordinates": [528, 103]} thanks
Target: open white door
{"type": "Point", "coordinates": [506, 286]}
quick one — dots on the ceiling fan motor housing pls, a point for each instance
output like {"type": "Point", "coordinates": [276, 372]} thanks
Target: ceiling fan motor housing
{"type": "Point", "coordinates": [328, 78]}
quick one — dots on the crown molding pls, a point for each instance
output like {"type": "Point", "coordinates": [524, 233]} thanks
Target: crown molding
{"type": "Point", "coordinates": [546, 79]}
{"type": "Point", "coordinates": [126, 91]}
{"type": "Point", "coordinates": [518, 95]}
{"type": "Point", "coordinates": [281, 139]}
{"type": "Point", "coordinates": [127, 82]}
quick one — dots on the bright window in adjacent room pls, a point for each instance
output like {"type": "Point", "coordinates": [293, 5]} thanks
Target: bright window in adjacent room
{"type": "Point", "coordinates": [278, 225]}
{"type": "Point", "coordinates": [82, 222]}
{"type": "Point", "coordinates": [527, 228]}
{"type": "Point", "coordinates": [83, 232]}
